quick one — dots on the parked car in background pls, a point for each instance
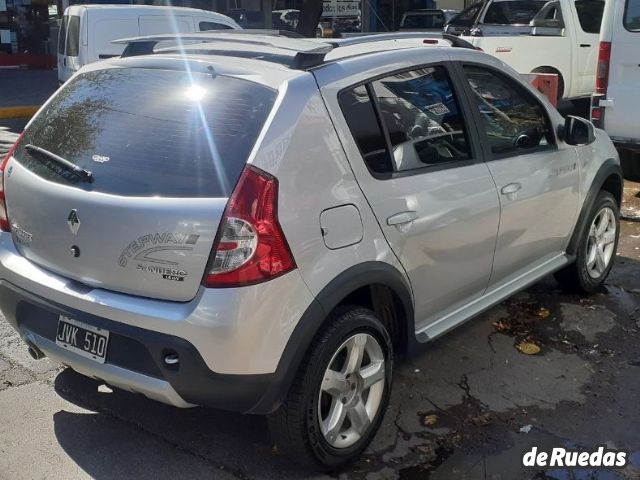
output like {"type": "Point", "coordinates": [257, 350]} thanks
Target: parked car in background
{"type": "Point", "coordinates": [616, 102]}
{"type": "Point", "coordinates": [213, 249]}
{"type": "Point", "coordinates": [563, 39]}
{"type": "Point", "coordinates": [87, 31]}
{"type": "Point", "coordinates": [495, 17]}
{"type": "Point", "coordinates": [426, 20]}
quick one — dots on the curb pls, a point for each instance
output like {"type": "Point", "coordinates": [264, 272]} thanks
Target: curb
{"type": "Point", "coordinates": [24, 111]}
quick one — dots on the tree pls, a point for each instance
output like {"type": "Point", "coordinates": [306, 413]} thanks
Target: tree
{"type": "Point", "coordinates": [310, 13]}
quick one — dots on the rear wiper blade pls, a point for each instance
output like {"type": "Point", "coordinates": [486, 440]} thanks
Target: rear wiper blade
{"type": "Point", "coordinates": [80, 172]}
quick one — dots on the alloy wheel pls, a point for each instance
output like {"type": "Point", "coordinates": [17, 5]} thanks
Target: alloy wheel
{"type": "Point", "coordinates": [351, 391]}
{"type": "Point", "coordinates": [601, 242]}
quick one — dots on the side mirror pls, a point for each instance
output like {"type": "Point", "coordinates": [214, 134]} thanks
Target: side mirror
{"type": "Point", "coordinates": [577, 131]}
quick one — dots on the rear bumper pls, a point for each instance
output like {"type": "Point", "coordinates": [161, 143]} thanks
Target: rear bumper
{"type": "Point", "coordinates": [237, 348]}
{"type": "Point", "coordinates": [135, 358]}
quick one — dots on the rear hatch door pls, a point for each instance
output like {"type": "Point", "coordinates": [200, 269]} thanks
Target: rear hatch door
{"type": "Point", "coordinates": [165, 149]}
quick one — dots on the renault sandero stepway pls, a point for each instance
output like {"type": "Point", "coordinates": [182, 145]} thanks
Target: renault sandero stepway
{"type": "Point", "coordinates": [263, 224]}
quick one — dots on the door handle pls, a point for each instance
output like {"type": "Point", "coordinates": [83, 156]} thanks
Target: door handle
{"type": "Point", "coordinates": [511, 188]}
{"type": "Point", "coordinates": [585, 45]}
{"type": "Point", "coordinates": [402, 218]}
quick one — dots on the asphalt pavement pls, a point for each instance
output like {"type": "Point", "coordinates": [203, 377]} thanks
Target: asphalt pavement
{"type": "Point", "coordinates": [21, 87]}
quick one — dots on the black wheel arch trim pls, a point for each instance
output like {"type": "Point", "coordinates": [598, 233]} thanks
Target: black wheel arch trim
{"type": "Point", "coordinates": [609, 167]}
{"type": "Point", "coordinates": [353, 278]}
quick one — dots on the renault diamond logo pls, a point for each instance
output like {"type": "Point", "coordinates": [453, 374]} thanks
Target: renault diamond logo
{"type": "Point", "coordinates": [73, 221]}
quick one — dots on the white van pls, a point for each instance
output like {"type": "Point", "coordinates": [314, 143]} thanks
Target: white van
{"type": "Point", "coordinates": [616, 103]}
{"type": "Point", "coordinates": [87, 31]}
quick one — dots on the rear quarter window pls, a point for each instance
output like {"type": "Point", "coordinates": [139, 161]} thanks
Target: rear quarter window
{"type": "Point", "coordinates": [149, 132]}
{"type": "Point", "coordinates": [632, 15]}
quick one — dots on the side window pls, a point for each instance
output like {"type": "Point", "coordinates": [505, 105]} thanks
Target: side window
{"type": "Point", "coordinates": [421, 115]}
{"type": "Point", "coordinates": [632, 16]}
{"type": "Point", "coordinates": [204, 26]}
{"type": "Point", "coordinates": [73, 36]}
{"type": "Point", "coordinates": [514, 120]}
{"type": "Point", "coordinates": [590, 14]}
{"type": "Point", "coordinates": [62, 35]}
{"type": "Point", "coordinates": [363, 123]}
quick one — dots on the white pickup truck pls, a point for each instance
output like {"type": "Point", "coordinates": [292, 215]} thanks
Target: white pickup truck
{"type": "Point", "coordinates": [563, 39]}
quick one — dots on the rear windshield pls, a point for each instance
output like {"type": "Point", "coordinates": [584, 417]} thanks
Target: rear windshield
{"type": "Point", "coordinates": [149, 132]}
{"type": "Point", "coordinates": [424, 20]}
{"type": "Point", "coordinates": [467, 17]}
{"type": "Point", "coordinates": [512, 12]}
{"type": "Point", "coordinates": [632, 15]}
{"type": "Point", "coordinates": [73, 36]}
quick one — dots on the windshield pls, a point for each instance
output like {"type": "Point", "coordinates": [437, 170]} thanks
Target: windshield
{"type": "Point", "coordinates": [144, 132]}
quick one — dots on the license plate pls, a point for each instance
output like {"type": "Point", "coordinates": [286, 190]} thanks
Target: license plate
{"type": "Point", "coordinates": [83, 339]}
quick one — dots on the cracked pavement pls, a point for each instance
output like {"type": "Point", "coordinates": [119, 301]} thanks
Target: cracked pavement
{"type": "Point", "coordinates": [466, 406]}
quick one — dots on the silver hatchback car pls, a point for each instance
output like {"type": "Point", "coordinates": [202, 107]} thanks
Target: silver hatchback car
{"type": "Point", "coordinates": [261, 224]}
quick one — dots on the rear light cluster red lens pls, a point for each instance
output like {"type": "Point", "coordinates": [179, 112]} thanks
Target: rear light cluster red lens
{"type": "Point", "coordinates": [602, 72]}
{"type": "Point", "coordinates": [250, 246]}
{"type": "Point", "coordinates": [5, 225]}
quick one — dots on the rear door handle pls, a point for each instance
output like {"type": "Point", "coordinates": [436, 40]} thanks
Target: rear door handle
{"type": "Point", "coordinates": [402, 218]}
{"type": "Point", "coordinates": [585, 45]}
{"type": "Point", "coordinates": [511, 188]}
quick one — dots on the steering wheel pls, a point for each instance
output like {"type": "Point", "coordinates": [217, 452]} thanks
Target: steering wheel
{"type": "Point", "coordinates": [528, 138]}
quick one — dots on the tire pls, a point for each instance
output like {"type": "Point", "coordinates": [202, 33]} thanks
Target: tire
{"type": "Point", "coordinates": [591, 267]}
{"type": "Point", "coordinates": [630, 162]}
{"type": "Point", "coordinates": [297, 426]}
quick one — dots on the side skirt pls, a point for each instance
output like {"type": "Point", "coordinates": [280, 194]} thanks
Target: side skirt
{"type": "Point", "coordinates": [491, 298]}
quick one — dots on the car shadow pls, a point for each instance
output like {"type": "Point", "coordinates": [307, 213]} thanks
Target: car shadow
{"type": "Point", "coordinates": [221, 440]}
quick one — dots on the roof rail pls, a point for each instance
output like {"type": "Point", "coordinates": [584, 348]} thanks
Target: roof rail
{"type": "Point", "coordinates": [380, 37]}
{"type": "Point", "coordinates": [309, 53]}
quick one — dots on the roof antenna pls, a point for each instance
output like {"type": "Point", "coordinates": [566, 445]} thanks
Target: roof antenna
{"type": "Point", "coordinates": [212, 71]}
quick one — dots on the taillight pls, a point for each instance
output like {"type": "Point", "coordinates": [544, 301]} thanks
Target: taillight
{"type": "Point", "coordinates": [5, 225]}
{"type": "Point", "coordinates": [602, 72]}
{"type": "Point", "coordinates": [596, 116]}
{"type": "Point", "coordinates": [250, 246]}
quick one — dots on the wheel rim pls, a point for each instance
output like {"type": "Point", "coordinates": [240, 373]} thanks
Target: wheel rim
{"type": "Point", "coordinates": [351, 390]}
{"type": "Point", "coordinates": [601, 242]}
